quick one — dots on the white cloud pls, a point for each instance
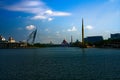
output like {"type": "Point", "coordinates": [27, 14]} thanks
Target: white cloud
{"type": "Point", "coordinates": [50, 19]}
{"type": "Point", "coordinates": [36, 7]}
{"type": "Point", "coordinates": [39, 17]}
{"type": "Point", "coordinates": [72, 29]}
{"type": "Point", "coordinates": [27, 6]}
{"type": "Point", "coordinates": [89, 27]}
{"type": "Point", "coordinates": [50, 12]}
{"type": "Point", "coordinates": [30, 27]}
{"type": "Point", "coordinates": [57, 13]}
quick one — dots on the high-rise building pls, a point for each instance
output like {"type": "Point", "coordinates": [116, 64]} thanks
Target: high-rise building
{"type": "Point", "coordinates": [115, 36]}
{"type": "Point", "coordinates": [93, 39]}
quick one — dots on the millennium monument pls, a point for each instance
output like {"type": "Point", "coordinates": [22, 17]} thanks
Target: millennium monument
{"type": "Point", "coordinates": [82, 32]}
{"type": "Point", "coordinates": [83, 43]}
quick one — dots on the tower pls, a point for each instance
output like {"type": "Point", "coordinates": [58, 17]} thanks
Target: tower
{"type": "Point", "coordinates": [71, 40]}
{"type": "Point", "coordinates": [32, 36]}
{"type": "Point", "coordinates": [82, 32]}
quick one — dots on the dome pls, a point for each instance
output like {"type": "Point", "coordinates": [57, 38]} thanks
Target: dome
{"type": "Point", "coordinates": [2, 38]}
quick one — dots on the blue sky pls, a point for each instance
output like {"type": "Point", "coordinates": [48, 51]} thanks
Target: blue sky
{"type": "Point", "coordinates": [58, 19]}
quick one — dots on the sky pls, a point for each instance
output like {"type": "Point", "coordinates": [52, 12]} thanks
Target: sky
{"type": "Point", "coordinates": [56, 20]}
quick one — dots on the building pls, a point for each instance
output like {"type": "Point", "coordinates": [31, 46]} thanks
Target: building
{"type": "Point", "coordinates": [11, 40]}
{"type": "Point", "coordinates": [11, 43]}
{"type": "Point", "coordinates": [93, 39]}
{"type": "Point", "coordinates": [2, 39]}
{"type": "Point", "coordinates": [115, 36]}
{"type": "Point", "coordinates": [114, 41]}
{"type": "Point", "coordinates": [64, 43]}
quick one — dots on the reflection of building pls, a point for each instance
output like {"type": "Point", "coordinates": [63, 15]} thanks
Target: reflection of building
{"type": "Point", "coordinates": [93, 39]}
{"type": "Point", "coordinates": [11, 43]}
{"type": "Point", "coordinates": [115, 36]}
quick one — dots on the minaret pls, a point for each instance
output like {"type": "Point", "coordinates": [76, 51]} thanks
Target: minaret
{"type": "Point", "coordinates": [82, 32]}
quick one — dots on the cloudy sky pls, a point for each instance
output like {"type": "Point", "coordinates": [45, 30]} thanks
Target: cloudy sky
{"type": "Point", "coordinates": [58, 19]}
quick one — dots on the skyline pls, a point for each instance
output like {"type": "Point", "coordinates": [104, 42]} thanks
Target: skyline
{"type": "Point", "coordinates": [56, 22]}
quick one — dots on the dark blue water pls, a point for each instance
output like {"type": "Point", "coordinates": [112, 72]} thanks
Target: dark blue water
{"type": "Point", "coordinates": [60, 64]}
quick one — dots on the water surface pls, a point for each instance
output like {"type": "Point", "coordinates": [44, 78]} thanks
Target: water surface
{"type": "Point", "coordinates": [60, 64]}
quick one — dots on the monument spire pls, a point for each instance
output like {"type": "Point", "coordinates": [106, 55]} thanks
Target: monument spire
{"type": "Point", "coordinates": [82, 32]}
{"type": "Point", "coordinates": [71, 39]}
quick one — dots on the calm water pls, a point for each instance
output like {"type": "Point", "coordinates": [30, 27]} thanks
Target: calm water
{"type": "Point", "coordinates": [59, 64]}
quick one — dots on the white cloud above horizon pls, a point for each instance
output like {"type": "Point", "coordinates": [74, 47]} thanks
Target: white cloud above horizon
{"type": "Point", "coordinates": [50, 19]}
{"type": "Point", "coordinates": [37, 8]}
{"type": "Point", "coordinates": [73, 29]}
{"type": "Point", "coordinates": [30, 27]}
{"type": "Point", "coordinates": [89, 27]}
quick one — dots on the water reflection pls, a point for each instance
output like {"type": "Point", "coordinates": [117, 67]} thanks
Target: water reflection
{"type": "Point", "coordinates": [84, 64]}
{"type": "Point", "coordinates": [60, 63]}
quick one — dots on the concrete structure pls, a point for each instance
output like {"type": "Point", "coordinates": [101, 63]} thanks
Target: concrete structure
{"type": "Point", "coordinates": [82, 32]}
{"type": "Point", "coordinates": [11, 43]}
{"type": "Point", "coordinates": [115, 36]}
{"type": "Point", "coordinates": [11, 40]}
{"type": "Point", "coordinates": [93, 39]}
{"type": "Point", "coordinates": [64, 43]}
{"type": "Point", "coordinates": [71, 40]}
{"type": "Point", "coordinates": [2, 38]}
{"type": "Point", "coordinates": [32, 36]}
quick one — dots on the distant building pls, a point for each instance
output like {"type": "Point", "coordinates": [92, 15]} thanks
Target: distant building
{"type": "Point", "coordinates": [115, 36]}
{"type": "Point", "coordinates": [2, 38]}
{"type": "Point", "coordinates": [64, 43]}
{"type": "Point", "coordinates": [51, 43]}
{"type": "Point", "coordinates": [11, 40]}
{"type": "Point", "coordinates": [93, 39]}
{"type": "Point", "coordinates": [11, 43]}
{"type": "Point", "coordinates": [71, 40]}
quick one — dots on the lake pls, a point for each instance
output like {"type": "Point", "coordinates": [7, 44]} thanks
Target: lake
{"type": "Point", "coordinates": [60, 63]}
